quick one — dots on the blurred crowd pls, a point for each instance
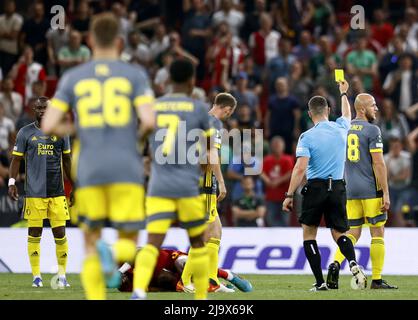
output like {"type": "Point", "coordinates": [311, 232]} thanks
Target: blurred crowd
{"type": "Point", "coordinates": [271, 55]}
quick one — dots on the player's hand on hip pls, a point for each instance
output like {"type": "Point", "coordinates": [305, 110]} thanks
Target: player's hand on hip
{"type": "Point", "coordinates": [343, 86]}
{"type": "Point", "coordinates": [288, 205]}
{"type": "Point", "coordinates": [385, 203]}
{"type": "Point", "coordinates": [222, 192]}
{"type": "Point", "coordinates": [13, 192]}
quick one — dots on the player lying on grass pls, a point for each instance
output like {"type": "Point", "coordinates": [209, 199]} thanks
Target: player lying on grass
{"type": "Point", "coordinates": [168, 271]}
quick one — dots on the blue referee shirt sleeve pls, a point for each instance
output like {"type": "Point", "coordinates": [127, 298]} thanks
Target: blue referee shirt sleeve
{"type": "Point", "coordinates": [302, 149]}
{"type": "Point", "coordinates": [343, 123]}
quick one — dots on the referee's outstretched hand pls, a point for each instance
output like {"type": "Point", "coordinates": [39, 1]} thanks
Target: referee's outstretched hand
{"type": "Point", "coordinates": [288, 205]}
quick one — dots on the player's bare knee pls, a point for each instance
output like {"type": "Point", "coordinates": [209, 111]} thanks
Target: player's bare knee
{"type": "Point", "coordinates": [35, 231]}
{"type": "Point", "coordinates": [197, 241]}
{"type": "Point", "coordinates": [156, 239]}
{"type": "Point", "coordinates": [90, 238]}
{"type": "Point", "coordinates": [58, 232]}
{"type": "Point", "coordinates": [309, 232]}
{"type": "Point", "coordinates": [377, 231]}
{"type": "Point", "coordinates": [130, 235]}
{"type": "Point", "coordinates": [356, 232]}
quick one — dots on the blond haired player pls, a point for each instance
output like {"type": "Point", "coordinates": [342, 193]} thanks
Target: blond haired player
{"type": "Point", "coordinates": [108, 96]}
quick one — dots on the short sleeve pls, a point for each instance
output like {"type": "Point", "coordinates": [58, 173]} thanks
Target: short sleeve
{"type": "Point", "coordinates": [343, 123]}
{"type": "Point", "coordinates": [64, 95]}
{"type": "Point", "coordinates": [143, 95]}
{"type": "Point", "coordinates": [302, 149]}
{"type": "Point", "coordinates": [67, 145]}
{"type": "Point", "coordinates": [20, 145]}
{"type": "Point", "coordinates": [375, 140]}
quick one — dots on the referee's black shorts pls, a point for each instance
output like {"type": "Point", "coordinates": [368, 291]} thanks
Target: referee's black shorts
{"type": "Point", "coordinates": [318, 201]}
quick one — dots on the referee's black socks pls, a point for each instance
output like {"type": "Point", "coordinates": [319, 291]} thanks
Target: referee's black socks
{"type": "Point", "coordinates": [347, 248]}
{"type": "Point", "coordinates": [314, 258]}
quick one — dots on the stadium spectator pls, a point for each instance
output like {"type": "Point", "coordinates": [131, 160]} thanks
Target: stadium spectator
{"type": "Point", "coordinates": [300, 84]}
{"type": "Point", "coordinates": [305, 50]}
{"type": "Point", "coordinates": [74, 53]}
{"type": "Point", "coordinates": [277, 169]}
{"type": "Point", "coordinates": [252, 19]}
{"type": "Point", "coordinates": [136, 51]}
{"type": "Point", "coordinates": [11, 100]}
{"type": "Point", "coordinates": [81, 21]}
{"type": "Point", "coordinates": [398, 163]}
{"type": "Point", "coordinates": [10, 25]}
{"type": "Point", "coordinates": [56, 40]}
{"type": "Point", "coordinates": [283, 115]}
{"type": "Point", "coordinates": [25, 72]}
{"type": "Point", "coordinates": [160, 42]}
{"type": "Point", "coordinates": [7, 131]}
{"type": "Point", "coordinates": [161, 80]}
{"type": "Point", "coordinates": [125, 25]}
{"type": "Point", "coordinates": [38, 89]}
{"type": "Point", "coordinates": [249, 210]}
{"type": "Point", "coordinates": [247, 97]}
{"type": "Point", "coordinates": [177, 50]}
{"type": "Point", "coordinates": [196, 32]}
{"type": "Point", "coordinates": [410, 29]}
{"type": "Point", "coordinates": [363, 63]}
{"type": "Point", "coordinates": [382, 30]}
{"type": "Point", "coordinates": [280, 66]}
{"type": "Point", "coordinates": [317, 65]}
{"type": "Point", "coordinates": [234, 18]}
{"type": "Point", "coordinates": [392, 123]}
{"type": "Point", "coordinates": [264, 42]}
{"type": "Point", "coordinates": [254, 75]}
{"type": "Point", "coordinates": [34, 33]}
{"type": "Point", "coordinates": [389, 61]}
{"type": "Point", "coordinates": [401, 84]}
{"type": "Point", "coordinates": [236, 172]}
{"type": "Point", "coordinates": [148, 13]}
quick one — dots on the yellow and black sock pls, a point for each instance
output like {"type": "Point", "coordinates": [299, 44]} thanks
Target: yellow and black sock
{"type": "Point", "coordinates": [92, 278]}
{"type": "Point", "coordinates": [34, 253]}
{"type": "Point", "coordinates": [61, 250]}
{"type": "Point", "coordinates": [377, 255]}
{"type": "Point", "coordinates": [213, 252]}
{"type": "Point", "coordinates": [339, 257]}
{"type": "Point", "coordinates": [199, 264]}
{"type": "Point", "coordinates": [145, 263]}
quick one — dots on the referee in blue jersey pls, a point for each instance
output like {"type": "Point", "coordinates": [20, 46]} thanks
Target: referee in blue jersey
{"type": "Point", "coordinates": [321, 153]}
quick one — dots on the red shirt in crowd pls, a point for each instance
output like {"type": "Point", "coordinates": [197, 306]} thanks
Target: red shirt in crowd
{"type": "Point", "coordinates": [382, 34]}
{"type": "Point", "coordinates": [274, 168]}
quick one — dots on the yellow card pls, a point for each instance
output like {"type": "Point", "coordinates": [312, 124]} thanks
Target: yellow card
{"type": "Point", "coordinates": [339, 75]}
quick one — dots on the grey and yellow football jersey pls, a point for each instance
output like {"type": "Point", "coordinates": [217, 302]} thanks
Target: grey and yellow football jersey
{"type": "Point", "coordinates": [209, 184]}
{"type": "Point", "coordinates": [178, 178]}
{"type": "Point", "coordinates": [43, 161]}
{"type": "Point", "coordinates": [104, 95]}
{"type": "Point", "coordinates": [363, 139]}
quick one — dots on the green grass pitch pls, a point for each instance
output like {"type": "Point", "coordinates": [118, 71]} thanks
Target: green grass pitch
{"type": "Point", "coordinates": [266, 287]}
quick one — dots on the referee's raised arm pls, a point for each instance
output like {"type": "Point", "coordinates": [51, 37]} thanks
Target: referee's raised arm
{"type": "Point", "coordinates": [321, 153]}
{"type": "Point", "coordinates": [345, 104]}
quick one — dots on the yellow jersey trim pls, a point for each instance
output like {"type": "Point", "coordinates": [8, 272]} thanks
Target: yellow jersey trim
{"type": "Point", "coordinates": [217, 145]}
{"type": "Point", "coordinates": [376, 150]}
{"type": "Point", "coordinates": [67, 151]}
{"type": "Point", "coordinates": [210, 132]}
{"type": "Point", "coordinates": [15, 153]}
{"type": "Point", "coordinates": [60, 105]}
{"type": "Point", "coordinates": [141, 100]}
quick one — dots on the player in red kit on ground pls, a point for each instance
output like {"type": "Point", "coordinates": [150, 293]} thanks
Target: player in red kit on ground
{"type": "Point", "coordinates": [167, 272]}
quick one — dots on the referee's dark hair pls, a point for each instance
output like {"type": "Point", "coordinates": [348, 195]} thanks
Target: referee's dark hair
{"type": "Point", "coordinates": [181, 71]}
{"type": "Point", "coordinates": [318, 105]}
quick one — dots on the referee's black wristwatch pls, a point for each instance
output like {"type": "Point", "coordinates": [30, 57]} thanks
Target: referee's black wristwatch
{"type": "Point", "coordinates": [287, 195]}
{"type": "Point", "coordinates": [343, 94]}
